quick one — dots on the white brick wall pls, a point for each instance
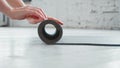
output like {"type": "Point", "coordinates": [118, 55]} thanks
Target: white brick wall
{"type": "Point", "coordinates": [82, 13]}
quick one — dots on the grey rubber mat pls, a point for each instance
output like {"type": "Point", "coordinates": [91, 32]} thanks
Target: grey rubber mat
{"type": "Point", "coordinates": [89, 40]}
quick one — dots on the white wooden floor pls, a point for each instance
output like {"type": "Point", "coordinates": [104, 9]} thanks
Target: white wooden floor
{"type": "Point", "coordinates": [22, 48]}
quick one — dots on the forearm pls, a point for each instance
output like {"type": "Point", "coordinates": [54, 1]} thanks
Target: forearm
{"type": "Point", "coordinates": [16, 3]}
{"type": "Point", "coordinates": [5, 7]}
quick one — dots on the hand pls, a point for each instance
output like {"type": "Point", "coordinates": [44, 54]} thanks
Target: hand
{"type": "Point", "coordinates": [25, 12]}
{"type": "Point", "coordinates": [33, 19]}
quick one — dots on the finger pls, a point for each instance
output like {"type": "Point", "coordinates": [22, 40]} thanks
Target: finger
{"type": "Point", "coordinates": [41, 13]}
{"type": "Point", "coordinates": [38, 10]}
{"type": "Point", "coordinates": [57, 21]}
{"type": "Point", "coordinates": [34, 21]}
{"type": "Point", "coordinates": [32, 11]}
{"type": "Point", "coordinates": [34, 15]}
{"type": "Point", "coordinates": [35, 18]}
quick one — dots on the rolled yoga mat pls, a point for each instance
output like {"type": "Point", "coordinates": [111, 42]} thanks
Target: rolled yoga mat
{"type": "Point", "coordinates": [50, 38]}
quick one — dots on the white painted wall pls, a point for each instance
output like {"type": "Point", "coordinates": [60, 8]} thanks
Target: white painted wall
{"type": "Point", "coordinates": [80, 13]}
